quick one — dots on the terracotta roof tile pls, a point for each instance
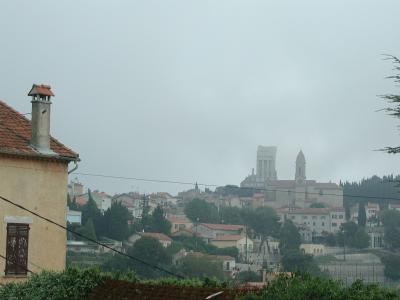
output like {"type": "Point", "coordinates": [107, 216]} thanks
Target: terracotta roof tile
{"type": "Point", "coordinates": [223, 226]}
{"type": "Point", "coordinates": [15, 136]}
{"type": "Point", "coordinates": [41, 89]}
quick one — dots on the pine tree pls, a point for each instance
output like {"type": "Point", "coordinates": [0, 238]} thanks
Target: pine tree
{"type": "Point", "coordinates": [362, 217]}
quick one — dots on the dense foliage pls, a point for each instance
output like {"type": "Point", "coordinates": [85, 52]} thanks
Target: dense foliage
{"type": "Point", "coordinates": [113, 224]}
{"type": "Point", "coordinates": [391, 223]}
{"type": "Point", "coordinates": [381, 188]}
{"type": "Point", "coordinates": [392, 265]}
{"type": "Point", "coordinates": [290, 238]}
{"type": "Point", "coordinates": [200, 267]}
{"type": "Point", "coordinates": [71, 284]}
{"type": "Point", "coordinates": [305, 287]}
{"type": "Point", "coordinates": [147, 250]}
{"type": "Point", "coordinates": [200, 211]}
{"type": "Point", "coordinates": [79, 284]}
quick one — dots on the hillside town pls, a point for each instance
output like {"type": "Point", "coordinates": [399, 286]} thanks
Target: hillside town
{"type": "Point", "coordinates": [202, 150]}
{"type": "Point", "coordinates": [316, 209]}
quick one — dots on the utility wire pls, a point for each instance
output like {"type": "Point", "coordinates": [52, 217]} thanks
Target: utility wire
{"type": "Point", "coordinates": [90, 239]}
{"type": "Point", "coordinates": [212, 185]}
{"type": "Point", "coordinates": [26, 269]}
{"type": "Point", "coordinates": [144, 179]}
{"type": "Point", "coordinates": [248, 188]}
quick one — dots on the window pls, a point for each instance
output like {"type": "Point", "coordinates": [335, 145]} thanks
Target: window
{"type": "Point", "coordinates": [334, 224]}
{"type": "Point", "coordinates": [17, 249]}
{"type": "Point", "coordinates": [305, 217]}
{"type": "Point", "coordinates": [340, 216]}
{"type": "Point", "coordinates": [323, 223]}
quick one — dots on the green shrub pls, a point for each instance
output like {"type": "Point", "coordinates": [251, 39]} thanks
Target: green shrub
{"type": "Point", "coordinates": [70, 284]}
{"type": "Point", "coordinates": [304, 287]}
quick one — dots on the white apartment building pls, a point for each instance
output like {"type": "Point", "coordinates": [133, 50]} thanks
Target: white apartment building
{"type": "Point", "coordinates": [313, 222]}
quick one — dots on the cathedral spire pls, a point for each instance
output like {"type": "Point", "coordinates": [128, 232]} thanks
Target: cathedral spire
{"type": "Point", "coordinates": [300, 176]}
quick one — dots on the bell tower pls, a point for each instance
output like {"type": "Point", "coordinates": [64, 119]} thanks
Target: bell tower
{"type": "Point", "coordinates": [300, 176]}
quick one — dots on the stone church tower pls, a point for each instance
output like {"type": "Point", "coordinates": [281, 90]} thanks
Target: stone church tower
{"type": "Point", "coordinates": [300, 176]}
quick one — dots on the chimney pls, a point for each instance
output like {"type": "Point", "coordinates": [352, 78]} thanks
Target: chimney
{"type": "Point", "coordinates": [41, 95]}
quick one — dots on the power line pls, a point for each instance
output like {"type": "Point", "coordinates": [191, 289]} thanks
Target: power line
{"type": "Point", "coordinates": [90, 239]}
{"type": "Point", "coordinates": [248, 188]}
{"type": "Point", "coordinates": [19, 265]}
{"type": "Point", "coordinates": [210, 185]}
{"type": "Point", "coordinates": [145, 179]}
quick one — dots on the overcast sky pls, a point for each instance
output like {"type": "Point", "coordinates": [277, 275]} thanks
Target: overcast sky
{"type": "Point", "coordinates": [186, 90]}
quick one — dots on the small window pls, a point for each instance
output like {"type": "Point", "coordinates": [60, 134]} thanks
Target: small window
{"type": "Point", "coordinates": [323, 223]}
{"type": "Point", "coordinates": [17, 249]}
{"type": "Point", "coordinates": [334, 224]}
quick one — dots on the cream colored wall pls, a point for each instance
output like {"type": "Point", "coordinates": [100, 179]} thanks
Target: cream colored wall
{"type": "Point", "coordinates": [40, 186]}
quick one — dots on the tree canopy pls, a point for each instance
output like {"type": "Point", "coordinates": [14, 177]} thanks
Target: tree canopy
{"type": "Point", "coordinates": [263, 221]}
{"type": "Point", "coordinates": [114, 223]}
{"type": "Point", "coordinates": [391, 224]}
{"type": "Point", "coordinates": [158, 221]}
{"type": "Point", "coordinates": [200, 211]}
{"type": "Point", "coordinates": [200, 267]}
{"type": "Point", "coordinates": [290, 238]}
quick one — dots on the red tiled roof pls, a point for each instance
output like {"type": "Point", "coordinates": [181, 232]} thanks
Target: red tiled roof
{"type": "Point", "coordinates": [156, 235]}
{"type": "Point", "coordinates": [223, 226]}
{"type": "Point", "coordinates": [81, 200]}
{"type": "Point", "coordinates": [15, 136]}
{"type": "Point", "coordinates": [229, 237]}
{"type": "Point", "coordinates": [178, 219]}
{"type": "Point", "coordinates": [41, 89]}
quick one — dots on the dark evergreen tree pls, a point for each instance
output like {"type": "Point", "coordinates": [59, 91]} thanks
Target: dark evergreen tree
{"type": "Point", "coordinates": [200, 211]}
{"type": "Point", "coordinates": [391, 223]}
{"type": "Point", "coordinates": [159, 223]}
{"type": "Point", "coordinates": [114, 223]}
{"type": "Point", "coordinates": [90, 211]}
{"type": "Point", "coordinates": [290, 238]}
{"type": "Point", "coordinates": [88, 230]}
{"type": "Point", "coordinates": [362, 217]}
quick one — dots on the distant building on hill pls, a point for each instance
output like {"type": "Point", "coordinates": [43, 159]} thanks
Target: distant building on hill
{"type": "Point", "coordinates": [312, 222]}
{"type": "Point", "coordinates": [102, 199]}
{"type": "Point", "coordinates": [211, 231]}
{"type": "Point", "coordinates": [163, 239]}
{"type": "Point", "coordinates": [133, 202]}
{"type": "Point", "coordinates": [179, 223]}
{"type": "Point", "coordinates": [299, 192]}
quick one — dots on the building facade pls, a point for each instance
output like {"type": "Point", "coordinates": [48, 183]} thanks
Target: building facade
{"type": "Point", "coordinates": [298, 192]}
{"type": "Point", "coordinates": [33, 174]}
{"type": "Point", "coordinates": [313, 222]}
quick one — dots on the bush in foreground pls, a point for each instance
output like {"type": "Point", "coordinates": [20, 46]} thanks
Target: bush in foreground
{"type": "Point", "coordinates": [304, 287]}
{"type": "Point", "coordinates": [70, 284]}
